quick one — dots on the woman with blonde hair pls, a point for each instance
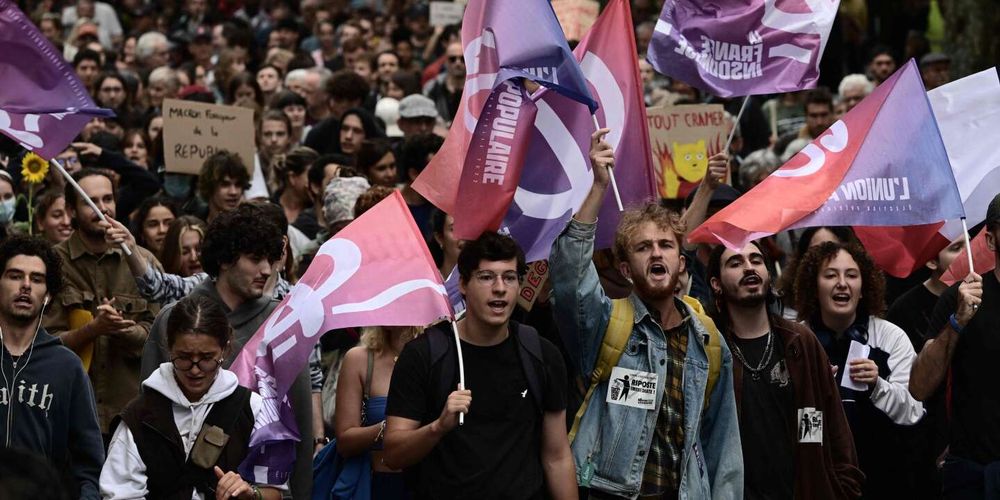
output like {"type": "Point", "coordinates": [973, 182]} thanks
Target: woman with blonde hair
{"type": "Point", "coordinates": [362, 388]}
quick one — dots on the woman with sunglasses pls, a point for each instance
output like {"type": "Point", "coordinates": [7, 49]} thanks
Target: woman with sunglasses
{"type": "Point", "coordinates": [187, 432]}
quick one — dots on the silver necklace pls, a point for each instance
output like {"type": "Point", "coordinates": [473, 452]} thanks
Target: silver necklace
{"type": "Point", "coordinates": [765, 359]}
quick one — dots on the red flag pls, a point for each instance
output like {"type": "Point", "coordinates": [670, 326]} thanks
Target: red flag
{"type": "Point", "coordinates": [966, 111]}
{"type": "Point", "coordinates": [983, 259]}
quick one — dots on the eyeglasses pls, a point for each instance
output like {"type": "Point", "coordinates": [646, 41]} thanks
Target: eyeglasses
{"type": "Point", "coordinates": [488, 278]}
{"type": "Point", "coordinates": [205, 365]}
{"type": "Point", "coordinates": [456, 59]}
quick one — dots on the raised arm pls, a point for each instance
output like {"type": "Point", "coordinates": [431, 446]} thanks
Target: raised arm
{"type": "Point", "coordinates": [932, 364]}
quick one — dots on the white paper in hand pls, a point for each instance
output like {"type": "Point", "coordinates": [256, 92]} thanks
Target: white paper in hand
{"type": "Point", "coordinates": [857, 351]}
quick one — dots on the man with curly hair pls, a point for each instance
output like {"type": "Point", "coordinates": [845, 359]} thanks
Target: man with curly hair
{"type": "Point", "coordinates": [238, 254]}
{"type": "Point", "coordinates": [46, 399]}
{"type": "Point", "coordinates": [840, 294]}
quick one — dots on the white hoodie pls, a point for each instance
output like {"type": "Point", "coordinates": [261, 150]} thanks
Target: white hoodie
{"type": "Point", "coordinates": [124, 473]}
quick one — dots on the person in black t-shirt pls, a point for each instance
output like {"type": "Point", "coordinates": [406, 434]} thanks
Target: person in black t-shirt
{"type": "Point", "coordinates": [963, 346]}
{"type": "Point", "coordinates": [513, 442]}
{"type": "Point", "coordinates": [795, 437]}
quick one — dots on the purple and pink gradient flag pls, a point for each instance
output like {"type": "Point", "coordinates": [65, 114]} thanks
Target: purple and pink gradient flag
{"type": "Point", "coordinates": [377, 271]}
{"type": "Point", "coordinates": [882, 164]}
{"type": "Point", "coordinates": [502, 40]}
{"type": "Point", "coordinates": [43, 105]}
{"type": "Point", "coordinates": [742, 47]}
{"type": "Point", "coordinates": [557, 174]}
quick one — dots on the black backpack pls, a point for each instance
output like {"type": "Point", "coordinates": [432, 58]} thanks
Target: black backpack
{"type": "Point", "coordinates": [529, 350]}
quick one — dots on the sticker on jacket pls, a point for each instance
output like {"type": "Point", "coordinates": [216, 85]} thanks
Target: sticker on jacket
{"type": "Point", "coordinates": [632, 388]}
{"type": "Point", "coordinates": [810, 425]}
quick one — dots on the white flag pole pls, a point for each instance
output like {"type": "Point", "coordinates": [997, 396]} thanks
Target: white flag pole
{"type": "Point", "coordinates": [79, 190]}
{"type": "Point", "coordinates": [968, 245]}
{"type": "Point", "coordinates": [461, 366]}
{"type": "Point", "coordinates": [732, 133]}
{"type": "Point", "coordinates": [611, 173]}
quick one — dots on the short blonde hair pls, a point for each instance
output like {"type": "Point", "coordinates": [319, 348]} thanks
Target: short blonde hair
{"type": "Point", "coordinates": [375, 338]}
{"type": "Point", "coordinates": [632, 218]}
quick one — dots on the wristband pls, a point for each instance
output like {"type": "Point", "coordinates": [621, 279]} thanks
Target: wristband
{"type": "Point", "coordinates": [257, 495]}
{"type": "Point", "coordinates": [954, 324]}
{"type": "Point", "coordinates": [381, 433]}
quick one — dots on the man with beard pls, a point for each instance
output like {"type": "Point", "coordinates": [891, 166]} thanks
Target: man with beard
{"type": "Point", "coordinates": [675, 435]}
{"type": "Point", "coordinates": [962, 348]}
{"type": "Point", "coordinates": [45, 400]}
{"type": "Point", "coordinates": [100, 310]}
{"type": "Point", "coordinates": [782, 379]}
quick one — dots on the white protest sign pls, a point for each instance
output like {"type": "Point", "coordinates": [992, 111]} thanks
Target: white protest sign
{"type": "Point", "coordinates": [446, 13]}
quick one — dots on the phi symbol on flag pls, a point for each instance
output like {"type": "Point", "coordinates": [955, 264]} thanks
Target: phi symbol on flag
{"type": "Point", "coordinates": [806, 23]}
{"type": "Point", "coordinates": [834, 142]}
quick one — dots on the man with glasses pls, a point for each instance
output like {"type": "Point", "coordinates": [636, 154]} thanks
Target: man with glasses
{"type": "Point", "coordinates": [513, 442]}
{"type": "Point", "coordinates": [446, 90]}
{"type": "Point", "coordinates": [239, 249]}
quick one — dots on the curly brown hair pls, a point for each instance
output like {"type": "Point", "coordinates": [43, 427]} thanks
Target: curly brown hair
{"type": "Point", "coordinates": [663, 217]}
{"type": "Point", "coordinates": [811, 264]}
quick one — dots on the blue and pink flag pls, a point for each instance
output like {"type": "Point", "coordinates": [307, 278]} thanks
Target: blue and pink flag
{"type": "Point", "coordinates": [498, 48]}
{"type": "Point", "coordinates": [43, 105]}
{"type": "Point", "coordinates": [967, 113]}
{"type": "Point", "coordinates": [882, 164]}
{"type": "Point", "coordinates": [742, 47]}
{"type": "Point", "coordinates": [557, 174]}
{"type": "Point", "coordinates": [377, 271]}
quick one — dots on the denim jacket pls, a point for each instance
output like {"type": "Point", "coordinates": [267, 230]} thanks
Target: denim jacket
{"type": "Point", "coordinates": [612, 441]}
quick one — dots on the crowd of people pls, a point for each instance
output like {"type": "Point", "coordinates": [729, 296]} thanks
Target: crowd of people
{"type": "Point", "coordinates": [791, 368]}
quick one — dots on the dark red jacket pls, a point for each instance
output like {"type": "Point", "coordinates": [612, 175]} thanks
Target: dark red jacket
{"type": "Point", "coordinates": [822, 471]}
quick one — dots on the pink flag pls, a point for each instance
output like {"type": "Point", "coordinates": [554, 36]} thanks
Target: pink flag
{"type": "Point", "coordinates": [376, 271]}
{"type": "Point", "coordinates": [983, 259]}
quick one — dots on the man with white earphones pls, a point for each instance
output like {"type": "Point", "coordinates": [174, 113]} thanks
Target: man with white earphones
{"type": "Point", "coordinates": [46, 402]}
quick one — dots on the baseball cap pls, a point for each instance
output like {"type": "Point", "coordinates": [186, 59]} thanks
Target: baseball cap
{"type": "Point", "coordinates": [993, 212]}
{"type": "Point", "coordinates": [934, 57]}
{"type": "Point", "coordinates": [417, 106]}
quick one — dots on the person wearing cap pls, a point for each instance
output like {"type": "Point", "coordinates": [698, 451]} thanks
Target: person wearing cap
{"type": "Point", "coordinates": [109, 29]}
{"type": "Point", "coordinates": [417, 115]}
{"type": "Point", "coordinates": [934, 70]}
{"type": "Point", "coordinates": [962, 347]}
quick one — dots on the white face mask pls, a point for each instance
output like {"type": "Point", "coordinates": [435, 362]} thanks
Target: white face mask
{"type": "Point", "coordinates": [7, 208]}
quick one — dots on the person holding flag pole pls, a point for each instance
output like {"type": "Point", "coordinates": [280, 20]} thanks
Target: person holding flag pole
{"type": "Point", "coordinates": [512, 387]}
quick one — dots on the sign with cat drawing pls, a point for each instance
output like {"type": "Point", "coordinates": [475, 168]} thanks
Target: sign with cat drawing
{"type": "Point", "coordinates": [682, 139]}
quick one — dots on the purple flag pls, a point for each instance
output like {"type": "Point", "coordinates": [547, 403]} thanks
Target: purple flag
{"type": "Point", "coordinates": [742, 47]}
{"type": "Point", "coordinates": [557, 175]}
{"type": "Point", "coordinates": [43, 105]}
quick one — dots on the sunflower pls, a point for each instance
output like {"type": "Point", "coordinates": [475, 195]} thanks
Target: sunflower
{"type": "Point", "coordinates": [34, 168]}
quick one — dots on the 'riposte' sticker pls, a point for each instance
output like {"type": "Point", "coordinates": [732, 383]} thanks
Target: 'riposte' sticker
{"type": "Point", "coordinates": [810, 425]}
{"type": "Point", "coordinates": [632, 388]}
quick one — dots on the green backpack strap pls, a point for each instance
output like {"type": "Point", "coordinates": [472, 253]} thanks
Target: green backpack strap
{"type": "Point", "coordinates": [612, 345]}
{"type": "Point", "coordinates": [713, 346]}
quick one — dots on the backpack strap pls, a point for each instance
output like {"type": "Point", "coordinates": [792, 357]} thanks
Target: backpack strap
{"type": "Point", "coordinates": [368, 374]}
{"type": "Point", "coordinates": [713, 346]}
{"type": "Point", "coordinates": [529, 350]}
{"type": "Point", "coordinates": [612, 345]}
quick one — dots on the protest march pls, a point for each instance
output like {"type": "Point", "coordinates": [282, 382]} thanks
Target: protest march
{"type": "Point", "coordinates": [498, 249]}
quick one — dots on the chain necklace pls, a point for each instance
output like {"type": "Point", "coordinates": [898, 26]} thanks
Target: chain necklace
{"type": "Point", "coordinates": [765, 359]}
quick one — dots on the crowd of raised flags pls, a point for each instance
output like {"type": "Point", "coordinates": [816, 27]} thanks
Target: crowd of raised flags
{"type": "Point", "coordinates": [516, 161]}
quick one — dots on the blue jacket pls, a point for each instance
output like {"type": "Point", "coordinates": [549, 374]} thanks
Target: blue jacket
{"type": "Point", "coordinates": [612, 441]}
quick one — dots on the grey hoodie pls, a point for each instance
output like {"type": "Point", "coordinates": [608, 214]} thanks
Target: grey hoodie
{"type": "Point", "coordinates": [245, 320]}
{"type": "Point", "coordinates": [49, 410]}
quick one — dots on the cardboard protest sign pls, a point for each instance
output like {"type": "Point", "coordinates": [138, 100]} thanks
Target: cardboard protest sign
{"type": "Point", "coordinates": [193, 131]}
{"type": "Point", "coordinates": [576, 16]}
{"type": "Point", "coordinates": [682, 139]}
{"type": "Point", "coordinates": [446, 13]}
{"type": "Point", "coordinates": [538, 272]}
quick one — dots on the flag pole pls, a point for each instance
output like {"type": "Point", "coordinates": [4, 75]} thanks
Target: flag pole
{"type": "Point", "coordinates": [611, 173]}
{"type": "Point", "coordinates": [461, 366]}
{"type": "Point", "coordinates": [732, 133]}
{"type": "Point", "coordinates": [72, 181]}
{"type": "Point", "coordinates": [968, 245]}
